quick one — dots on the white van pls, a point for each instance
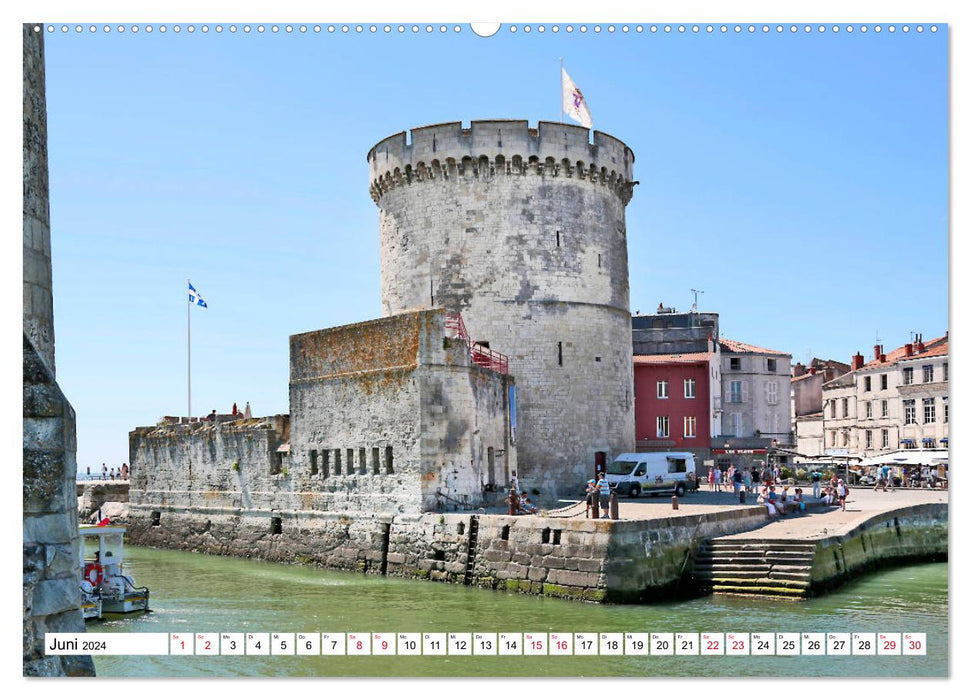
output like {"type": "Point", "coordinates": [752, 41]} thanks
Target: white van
{"type": "Point", "coordinates": [634, 473]}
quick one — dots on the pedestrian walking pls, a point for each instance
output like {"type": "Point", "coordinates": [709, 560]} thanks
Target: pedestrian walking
{"type": "Point", "coordinates": [718, 479]}
{"type": "Point", "coordinates": [748, 482]}
{"type": "Point", "coordinates": [736, 482]}
{"type": "Point", "coordinates": [104, 471]}
{"type": "Point", "coordinates": [841, 493]}
{"type": "Point", "coordinates": [711, 479]}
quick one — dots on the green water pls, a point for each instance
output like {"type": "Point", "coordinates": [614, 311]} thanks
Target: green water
{"type": "Point", "coordinates": [200, 593]}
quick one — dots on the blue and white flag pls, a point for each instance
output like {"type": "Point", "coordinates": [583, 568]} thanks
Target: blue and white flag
{"type": "Point", "coordinates": [194, 297]}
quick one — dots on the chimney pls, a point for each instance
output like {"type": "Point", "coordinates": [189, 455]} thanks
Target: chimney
{"type": "Point", "coordinates": [876, 352]}
{"type": "Point", "coordinates": [920, 344]}
{"type": "Point", "coordinates": [857, 360]}
{"type": "Point", "coordinates": [908, 349]}
{"type": "Point", "coordinates": [799, 369]}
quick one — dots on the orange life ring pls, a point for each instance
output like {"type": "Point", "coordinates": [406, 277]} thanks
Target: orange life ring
{"type": "Point", "coordinates": [94, 573]}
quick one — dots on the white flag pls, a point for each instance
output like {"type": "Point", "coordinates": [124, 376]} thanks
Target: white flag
{"type": "Point", "coordinates": [574, 103]}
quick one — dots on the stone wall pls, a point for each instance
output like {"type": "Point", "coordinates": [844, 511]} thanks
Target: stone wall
{"type": "Point", "coordinates": [394, 412]}
{"type": "Point", "coordinates": [913, 533]}
{"type": "Point", "coordinates": [52, 594]}
{"type": "Point", "coordinates": [522, 231]}
{"type": "Point", "coordinates": [94, 494]}
{"type": "Point", "coordinates": [592, 560]}
{"type": "Point", "coordinates": [387, 417]}
{"type": "Point", "coordinates": [52, 576]}
{"type": "Point", "coordinates": [38, 297]}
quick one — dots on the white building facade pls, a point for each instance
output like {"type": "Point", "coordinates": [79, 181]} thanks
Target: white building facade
{"type": "Point", "coordinates": [897, 400]}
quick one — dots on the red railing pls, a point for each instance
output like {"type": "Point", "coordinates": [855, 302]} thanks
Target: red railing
{"type": "Point", "coordinates": [481, 355]}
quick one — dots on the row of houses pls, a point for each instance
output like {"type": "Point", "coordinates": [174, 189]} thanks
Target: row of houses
{"type": "Point", "coordinates": [897, 400]}
{"type": "Point", "coordinates": [724, 400]}
{"type": "Point", "coordinates": [734, 403]}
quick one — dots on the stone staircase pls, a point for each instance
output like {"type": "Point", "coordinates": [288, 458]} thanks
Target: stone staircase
{"type": "Point", "coordinates": [765, 568]}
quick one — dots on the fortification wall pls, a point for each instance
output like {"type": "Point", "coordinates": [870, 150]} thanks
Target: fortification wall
{"type": "Point", "coordinates": [913, 533]}
{"type": "Point", "coordinates": [388, 417]}
{"type": "Point", "coordinates": [401, 403]}
{"type": "Point", "coordinates": [516, 229]}
{"type": "Point", "coordinates": [592, 560]}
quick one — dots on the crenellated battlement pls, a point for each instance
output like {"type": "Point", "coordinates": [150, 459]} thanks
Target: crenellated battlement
{"type": "Point", "coordinates": [499, 148]}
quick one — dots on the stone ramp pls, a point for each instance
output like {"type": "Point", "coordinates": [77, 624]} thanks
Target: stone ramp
{"type": "Point", "coordinates": [754, 567]}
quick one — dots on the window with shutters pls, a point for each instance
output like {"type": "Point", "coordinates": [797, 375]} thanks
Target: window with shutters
{"type": "Point", "coordinates": [772, 392]}
{"type": "Point", "coordinates": [846, 408]}
{"type": "Point", "coordinates": [737, 424]}
{"type": "Point", "coordinates": [734, 392]}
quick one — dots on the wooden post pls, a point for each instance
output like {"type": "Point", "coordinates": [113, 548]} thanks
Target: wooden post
{"type": "Point", "coordinates": [614, 509]}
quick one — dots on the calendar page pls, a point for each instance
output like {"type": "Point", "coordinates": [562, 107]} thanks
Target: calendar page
{"type": "Point", "coordinates": [398, 346]}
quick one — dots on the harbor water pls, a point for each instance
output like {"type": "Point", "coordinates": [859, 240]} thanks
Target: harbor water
{"type": "Point", "coordinates": [193, 593]}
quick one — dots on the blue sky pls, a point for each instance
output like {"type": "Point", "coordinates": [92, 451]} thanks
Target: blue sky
{"type": "Point", "coordinates": [799, 179]}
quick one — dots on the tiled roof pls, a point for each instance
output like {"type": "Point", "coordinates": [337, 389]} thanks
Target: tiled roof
{"type": "Point", "coordinates": [672, 359]}
{"type": "Point", "coordinates": [736, 346]}
{"type": "Point", "coordinates": [807, 375]}
{"type": "Point", "coordinates": [932, 348]}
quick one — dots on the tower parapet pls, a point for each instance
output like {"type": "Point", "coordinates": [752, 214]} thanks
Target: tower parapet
{"type": "Point", "coordinates": [500, 147]}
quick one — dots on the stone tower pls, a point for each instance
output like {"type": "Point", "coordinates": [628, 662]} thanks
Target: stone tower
{"type": "Point", "coordinates": [523, 231]}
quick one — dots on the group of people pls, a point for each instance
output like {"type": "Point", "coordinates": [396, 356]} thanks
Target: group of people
{"type": "Point", "coordinates": [246, 413]}
{"type": "Point", "coordinates": [835, 493]}
{"type": "Point", "coordinates": [518, 501]}
{"type": "Point", "coordinates": [740, 479]}
{"type": "Point", "coordinates": [123, 472]}
{"type": "Point", "coordinates": [783, 503]}
{"type": "Point", "coordinates": [599, 489]}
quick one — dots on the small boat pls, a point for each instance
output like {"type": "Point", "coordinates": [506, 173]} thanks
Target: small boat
{"type": "Point", "coordinates": [105, 588]}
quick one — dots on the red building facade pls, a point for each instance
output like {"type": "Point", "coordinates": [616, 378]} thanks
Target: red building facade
{"type": "Point", "coordinates": [673, 401]}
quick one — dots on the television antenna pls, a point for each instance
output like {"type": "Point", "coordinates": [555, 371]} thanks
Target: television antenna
{"type": "Point", "coordinates": [696, 292]}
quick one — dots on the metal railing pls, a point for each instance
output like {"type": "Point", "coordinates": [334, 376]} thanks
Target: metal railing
{"type": "Point", "coordinates": [480, 354]}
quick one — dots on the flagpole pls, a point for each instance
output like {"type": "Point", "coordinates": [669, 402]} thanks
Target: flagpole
{"type": "Point", "coordinates": [188, 346]}
{"type": "Point", "coordinates": [561, 89]}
